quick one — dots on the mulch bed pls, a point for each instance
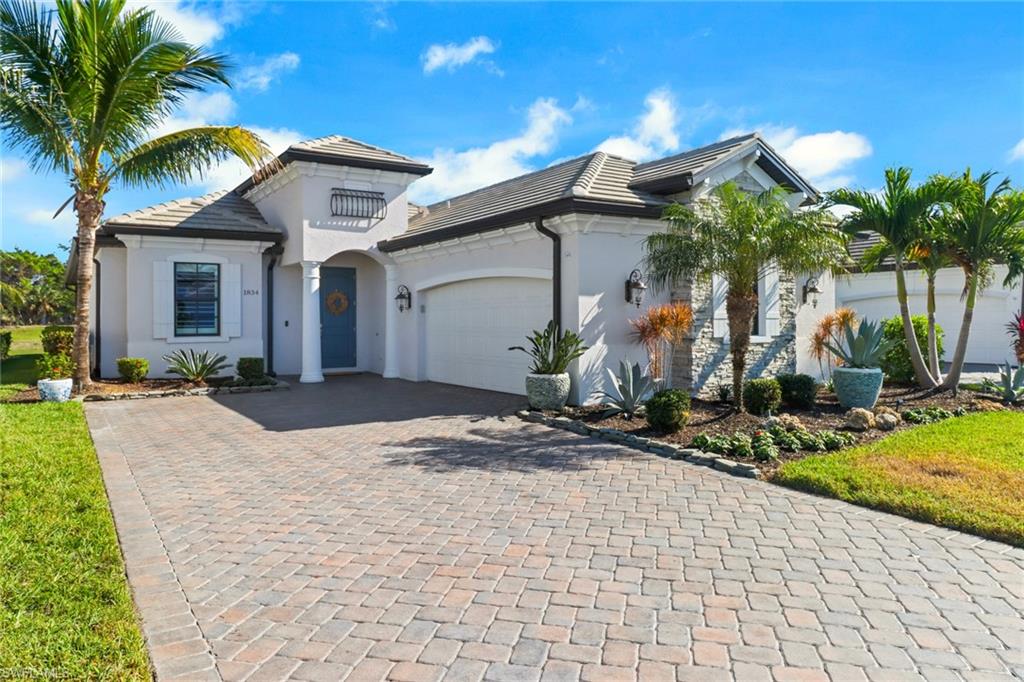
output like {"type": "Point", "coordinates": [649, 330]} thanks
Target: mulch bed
{"type": "Point", "coordinates": [714, 418]}
{"type": "Point", "coordinates": [115, 386]}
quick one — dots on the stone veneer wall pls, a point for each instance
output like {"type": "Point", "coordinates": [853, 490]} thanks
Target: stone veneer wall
{"type": "Point", "coordinates": [702, 362]}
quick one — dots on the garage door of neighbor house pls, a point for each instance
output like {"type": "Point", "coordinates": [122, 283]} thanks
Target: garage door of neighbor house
{"type": "Point", "coordinates": [471, 324]}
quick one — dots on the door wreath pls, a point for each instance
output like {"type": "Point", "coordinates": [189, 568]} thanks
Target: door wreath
{"type": "Point", "coordinates": [337, 302]}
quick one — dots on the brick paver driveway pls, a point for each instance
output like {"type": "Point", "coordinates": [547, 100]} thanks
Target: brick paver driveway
{"type": "Point", "coordinates": [380, 529]}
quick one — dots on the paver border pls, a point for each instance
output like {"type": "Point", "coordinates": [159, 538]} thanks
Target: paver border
{"type": "Point", "coordinates": [280, 385]}
{"type": "Point", "coordinates": [175, 643]}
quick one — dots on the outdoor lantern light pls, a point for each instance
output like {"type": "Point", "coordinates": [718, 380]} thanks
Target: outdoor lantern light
{"type": "Point", "coordinates": [811, 289]}
{"type": "Point", "coordinates": [635, 288]}
{"type": "Point", "coordinates": [404, 298]}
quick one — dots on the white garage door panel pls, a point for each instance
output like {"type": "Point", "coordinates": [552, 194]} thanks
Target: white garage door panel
{"type": "Point", "coordinates": [471, 324]}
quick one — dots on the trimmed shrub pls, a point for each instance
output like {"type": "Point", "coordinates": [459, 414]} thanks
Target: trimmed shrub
{"type": "Point", "coordinates": [58, 339]}
{"type": "Point", "coordinates": [55, 366]}
{"type": "Point", "coordinates": [798, 390]}
{"type": "Point", "coordinates": [250, 369]}
{"type": "Point", "coordinates": [133, 370]}
{"type": "Point", "coordinates": [896, 362]}
{"type": "Point", "coordinates": [668, 410]}
{"type": "Point", "coordinates": [761, 396]}
{"type": "Point", "coordinates": [5, 345]}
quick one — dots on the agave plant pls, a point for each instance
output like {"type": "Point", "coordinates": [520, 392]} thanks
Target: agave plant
{"type": "Point", "coordinates": [552, 352]}
{"type": "Point", "coordinates": [194, 366]}
{"type": "Point", "coordinates": [1010, 387]}
{"type": "Point", "coordinates": [863, 349]}
{"type": "Point", "coordinates": [631, 386]}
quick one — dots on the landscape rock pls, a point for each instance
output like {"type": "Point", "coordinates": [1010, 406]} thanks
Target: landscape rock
{"type": "Point", "coordinates": [886, 421]}
{"type": "Point", "coordinates": [859, 419]}
{"type": "Point", "coordinates": [790, 422]}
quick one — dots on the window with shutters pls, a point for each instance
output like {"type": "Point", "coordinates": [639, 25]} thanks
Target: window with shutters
{"type": "Point", "coordinates": [196, 299]}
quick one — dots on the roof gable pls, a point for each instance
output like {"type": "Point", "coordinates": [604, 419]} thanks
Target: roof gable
{"type": "Point", "coordinates": [223, 214]}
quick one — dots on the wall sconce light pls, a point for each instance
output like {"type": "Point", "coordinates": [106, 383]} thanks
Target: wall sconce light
{"type": "Point", "coordinates": [635, 288]}
{"type": "Point", "coordinates": [811, 289]}
{"type": "Point", "coordinates": [404, 298]}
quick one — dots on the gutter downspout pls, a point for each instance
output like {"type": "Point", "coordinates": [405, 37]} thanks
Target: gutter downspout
{"type": "Point", "coordinates": [270, 315]}
{"type": "Point", "coordinates": [556, 270]}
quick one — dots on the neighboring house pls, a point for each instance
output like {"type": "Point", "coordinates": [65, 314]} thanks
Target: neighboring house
{"type": "Point", "coordinates": [873, 296]}
{"type": "Point", "coordinates": [325, 266]}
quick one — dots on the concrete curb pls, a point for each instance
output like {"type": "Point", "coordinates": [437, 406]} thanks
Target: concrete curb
{"type": "Point", "coordinates": [178, 392]}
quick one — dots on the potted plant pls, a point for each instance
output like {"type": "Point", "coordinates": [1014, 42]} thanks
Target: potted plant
{"type": "Point", "coordinates": [54, 371]}
{"type": "Point", "coordinates": [858, 381]}
{"type": "Point", "coordinates": [547, 384]}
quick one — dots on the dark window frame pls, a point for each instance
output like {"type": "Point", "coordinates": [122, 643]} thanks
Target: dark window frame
{"type": "Point", "coordinates": [215, 299]}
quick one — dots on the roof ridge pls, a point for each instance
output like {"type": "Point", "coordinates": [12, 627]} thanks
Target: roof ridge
{"type": "Point", "coordinates": [585, 178]}
{"type": "Point", "coordinates": [720, 143]}
{"type": "Point", "coordinates": [346, 138]}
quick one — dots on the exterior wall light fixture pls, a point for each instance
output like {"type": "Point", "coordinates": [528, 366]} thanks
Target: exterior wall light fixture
{"type": "Point", "coordinates": [404, 298]}
{"type": "Point", "coordinates": [635, 288]}
{"type": "Point", "coordinates": [812, 290]}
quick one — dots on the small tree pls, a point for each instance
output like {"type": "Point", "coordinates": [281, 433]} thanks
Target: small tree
{"type": "Point", "coordinates": [740, 236]}
{"type": "Point", "coordinates": [82, 93]}
{"type": "Point", "coordinates": [984, 228]}
{"type": "Point", "coordinates": [898, 215]}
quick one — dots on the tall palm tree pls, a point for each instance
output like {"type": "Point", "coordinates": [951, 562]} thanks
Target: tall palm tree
{"type": "Point", "coordinates": [984, 228]}
{"type": "Point", "coordinates": [81, 90]}
{"type": "Point", "coordinates": [740, 236]}
{"type": "Point", "coordinates": [898, 217]}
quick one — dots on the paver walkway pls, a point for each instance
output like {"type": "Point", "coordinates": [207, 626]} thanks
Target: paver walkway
{"type": "Point", "coordinates": [376, 529]}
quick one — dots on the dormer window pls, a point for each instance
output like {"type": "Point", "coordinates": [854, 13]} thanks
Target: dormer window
{"type": "Point", "coordinates": [358, 203]}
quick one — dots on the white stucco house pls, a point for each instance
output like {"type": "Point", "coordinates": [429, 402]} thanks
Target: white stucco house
{"type": "Point", "coordinates": [326, 267]}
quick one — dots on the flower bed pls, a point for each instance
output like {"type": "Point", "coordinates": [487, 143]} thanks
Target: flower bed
{"type": "Point", "coordinates": [112, 389]}
{"type": "Point", "coordinates": [827, 419]}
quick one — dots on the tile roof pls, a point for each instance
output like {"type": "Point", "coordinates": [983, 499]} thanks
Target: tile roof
{"type": "Point", "coordinates": [345, 148]}
{"type": "Point", "coordinates": [221, 212]}
{"type": "Point", "coordinates": [692, 162]}
{"type": "Point", "coordinates": [597, 176]}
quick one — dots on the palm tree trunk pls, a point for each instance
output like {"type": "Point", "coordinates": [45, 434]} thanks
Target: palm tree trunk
{"type": "Point", "coordinates": [89, 209]}
{"type": "Point", "coordinates": [956, 366]}
{"type": "Point", "coordinates": [924, 378]}
{"type": "Point", "coordinates": [933, 340]}
{"type": "Point", "coordinates": [739, 308]}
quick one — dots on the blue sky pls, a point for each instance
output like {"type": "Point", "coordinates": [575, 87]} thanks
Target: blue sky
{"type": "Point", "coordinates": [486, 92]}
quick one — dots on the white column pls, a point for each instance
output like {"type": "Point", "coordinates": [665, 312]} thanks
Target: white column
{"type": "Point", "coordinates": [311, 370]}
{"type": "Point", "coordinates": [390, 323]}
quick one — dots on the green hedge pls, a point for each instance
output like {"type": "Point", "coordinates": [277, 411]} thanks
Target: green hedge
{"type": "Point", "coordinates": [133, 370]}
{"type": "Point", "coordinates": [58, 339]}
{"type": "Point", "coordinates": [668, 410]}
{"type": "Point", "coordinates": [798, 390]}
{"type": "Point", "coordinates": [896, 363]}
{"type": "Point", "coordinates": [5, 345]}
{"type": "Point", "coordinates": [761, 396]}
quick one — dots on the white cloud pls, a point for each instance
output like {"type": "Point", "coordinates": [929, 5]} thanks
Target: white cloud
{"type": "Point", "coordinates": [379, 17]}
{"type": "Point", "coordinates": [1017, 152]}
{"type": "Point", "coordinates": [654, 134]}
{"type": "Point", "coordinates": [63, 225]}
{"type": "Point", "coordinates": [457, 172]}
{"type": "Point", "coordinates": [231, 173]}
{"type": "Point", "coordinates": [451, 55]}
{"type": "Point", "coordinates": [197, 26]}
{"type": "Point", "coordinates": [11, 169]}
{"type": "Point", "coordinates": [823, 158]}
{"type": "Point", "coordinates": [259, 77]}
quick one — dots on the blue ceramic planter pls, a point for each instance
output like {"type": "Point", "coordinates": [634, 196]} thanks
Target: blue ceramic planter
{"type": "Point", "coordinates": [857, 387]}
{"type": "Point", "coordinates": [54, 390]}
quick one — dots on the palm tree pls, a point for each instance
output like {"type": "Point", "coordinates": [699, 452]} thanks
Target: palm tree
{"type": "Point", "coordinates": [898, 217]}
{"type": "Point", "coordinates": [984, 228]}
{"type": "Point", "coordinates": [81, 90]}
{"type": "Point", "coordinates": [740, 236]}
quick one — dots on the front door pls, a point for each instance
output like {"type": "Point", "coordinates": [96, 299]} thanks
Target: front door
{"type": "Point", "coordinates": [338, 317]}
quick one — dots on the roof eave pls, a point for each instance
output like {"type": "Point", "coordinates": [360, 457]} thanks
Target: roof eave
{"type": "Point", "coordinates": [546, 210]}
{"type": "Point", "coordinates": [192, 233]}
{"type": "Point", "coordinates": [290, 155]}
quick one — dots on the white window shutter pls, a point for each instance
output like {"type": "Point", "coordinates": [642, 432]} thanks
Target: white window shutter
{"type": "Point", "coordinates": [163, 300]}
{"type": "Point", "coordinates": [770, 302]}
{"type": "Point", "coordinates": [720, 320]}
{"type": "Point", "coordinates": [231, 299]}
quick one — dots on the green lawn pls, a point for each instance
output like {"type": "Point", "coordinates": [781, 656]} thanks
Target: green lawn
{"type": "Point", "coordinates": [65, 608]}
{"type": "Point", "coordinates": [19, 370]}
{"type": "Point", "coordinates": [965, 473]}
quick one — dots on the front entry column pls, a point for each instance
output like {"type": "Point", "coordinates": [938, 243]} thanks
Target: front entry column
{"type": "Point", "coordinates": [311, 370]}
{"type": "Point", "coordinates": [390, 324]}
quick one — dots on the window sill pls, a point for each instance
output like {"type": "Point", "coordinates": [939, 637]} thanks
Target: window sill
{"type": "Point", "coordinates": [198, 339]}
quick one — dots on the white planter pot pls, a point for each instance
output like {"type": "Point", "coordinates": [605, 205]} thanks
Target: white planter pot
{"type": "Point", "coordinates": [54, 390]}
{"type": "Point", "coordinates": [547, 391]}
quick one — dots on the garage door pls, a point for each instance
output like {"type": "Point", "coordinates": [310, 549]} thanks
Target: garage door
{"type": "Point", "coordinates": [471, 324]}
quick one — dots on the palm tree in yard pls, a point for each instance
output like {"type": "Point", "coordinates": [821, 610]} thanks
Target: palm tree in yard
{"type": "Point", "coordinates": [83, 87]}
{"type": "Point", "coordinates": [899, 216]}
{"type": "Point", "coordinates": [740, 236]}
{"type": "Point", "coordinates": [985, 227]}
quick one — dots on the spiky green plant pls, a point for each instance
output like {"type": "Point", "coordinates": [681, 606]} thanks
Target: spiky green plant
{"type": "Point", "coordinates": [552, 352]}
{"type": "Point", "coordinates": [863, 349]}
{"type": "Point", "coordinates": [632, 386]}
{"type": "Point", "coordinates": [195, 366]}
{"type": "Point", "coordinates": [1010, 387]}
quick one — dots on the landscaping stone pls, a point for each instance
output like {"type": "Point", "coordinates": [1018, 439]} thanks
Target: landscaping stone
{"type": "Point", "coordinates": [887, 422]}
{"type": "Point", "coordinates": [859, 419]}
